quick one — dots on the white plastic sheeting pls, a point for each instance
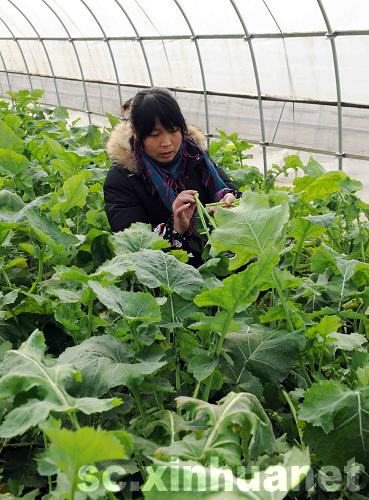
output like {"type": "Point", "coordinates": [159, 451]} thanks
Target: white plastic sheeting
{"type": "Point", "coordinates": [283, 73]}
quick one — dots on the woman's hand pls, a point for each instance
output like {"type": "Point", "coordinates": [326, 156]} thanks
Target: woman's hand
{"type": "Point", "coordinates": [227, 201]}
{"type": "Point", "coordinates": [183, 207]}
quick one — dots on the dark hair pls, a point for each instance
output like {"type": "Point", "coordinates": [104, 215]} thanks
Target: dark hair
{"type": "Point", "coordinates": [155, 104]}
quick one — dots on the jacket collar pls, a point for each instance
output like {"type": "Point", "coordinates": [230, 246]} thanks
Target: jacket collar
{"type": "Point", "coordinates": [119, 149]}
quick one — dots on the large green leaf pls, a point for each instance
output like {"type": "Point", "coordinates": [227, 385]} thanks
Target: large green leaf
{"type": "Point", "coordinates": [69, 451]}
{"type": "Point", "coordinates": [313, 168]}
{"type": "Point", "coordinates": [165, 421]}
{"type": "Point", "coordinates": [267, 354]}
{"type": "Point", "coordinates": [137, 237]}
{"type": "Point", "coordinates": [337, 414]}
{"type": "Point", "coordinates": [202, 365]}
{"type": "Point", "coordinates": [8, 139]}
{"type": "Point", "coordinates": [25, 369]}
{"type": "Point", "coordinates": [117, 266]}
{"type": "Point", "coordinates": [184, 480]}
{"type": "Point", "coordinates": [75, 193]}
{"type": "Point", "coordinates": [249, 229]}
{"type": "Point", "coordinates": [157, 269]}
{"type": "Point", "coordinates": [48, 232]}
{"type": "Point", "coordinates": [303, 229]}
{"type": "Point", "coordinates": [75, 320]}
{"type": "Point", "coordinates": [239, 290]}
{"type": "Point", "coordinates": [12, 207]}
{"type": "Point", "coordinates": [176, 308]}
{"type": "Point", "coordinates": [325, 185]}
{"type": "Point", "coordinates": [133, 306]}
{"type": "Point", "coordinates": [234, 428]}
{"type": "Point", "coordinates": [104, 362]}
{"type": "Point", "coordinates": [12, 164]}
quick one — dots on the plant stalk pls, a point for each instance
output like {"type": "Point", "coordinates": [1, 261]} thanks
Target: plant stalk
{"type": "Point", "coordinates": [138, 400]}
{"type": "Point", "coordinates": [73, 418]}
{"type": "Point", "coordinates": [176, 349]}
{"type": "Point", "coordinates": [6, 277]}
{"type": "Point", "coordinates": [89, 313]}
{"type": "Point", "coordinates": [218, 349]}
{"type": "Point", "coordinates": [321, 356]}
{"type": "Point", "coordinates": [48, 477]}
{"type": "Point", "coordinates": [283, 301]}
{"type": "Point", "coordinates": [200, 210]}
{"type": "Point", "coordinates": [293, 411]}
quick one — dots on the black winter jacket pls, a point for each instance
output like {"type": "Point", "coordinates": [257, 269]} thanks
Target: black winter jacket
{"type": "Point", "coordinates": [129, 198]}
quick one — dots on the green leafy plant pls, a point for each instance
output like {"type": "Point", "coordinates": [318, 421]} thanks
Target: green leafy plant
{"type": "Point", "coordinates": [113, 348]}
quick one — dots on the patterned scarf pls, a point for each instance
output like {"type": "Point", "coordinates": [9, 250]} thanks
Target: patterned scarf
{"type": "Point", "coordinates": [167, 179]}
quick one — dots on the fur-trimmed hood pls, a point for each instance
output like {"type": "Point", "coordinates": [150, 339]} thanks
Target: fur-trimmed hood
{"type": "Point", "coordinates": [119, 148]}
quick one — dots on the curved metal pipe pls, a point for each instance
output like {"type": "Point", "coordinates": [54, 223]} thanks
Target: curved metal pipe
{"type": "Point", "coordinates": [263, 142]}
{"type": "Point", "coordinates": [43, 45]}
{"type": "Point", "coordinates": [76, 54]}
{"type": "Point", "coordinates": [20, 50]}
{"type": "Point", "coordinates": [139, 39]}
{"type": "Point", "coordinates": [106, 39]}
{"type": "Point", "coordinates": [331, 36]}
{"type": "Point", "coordinates": [194, 38]}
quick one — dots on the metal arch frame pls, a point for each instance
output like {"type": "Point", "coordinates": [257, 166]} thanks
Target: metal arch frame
{"type": "Point", "coordinates": [287, 67]}
{"type": "Point", "coordinates": [195, 39]}
{"type": "Point", "coordinates": [263, 142]}
{"type": "Point", "coordinates": [331, 36]}
{"type": "Point", "coordinates": [6, 70]}
{"type": "Point", "coordinates": [14, 38]}
{"type": "Point", "coordinates": [83, 2]}
{"type": "Point", "coordinates": [43, 45]}
{"type": "Point", "coordinates": [139, 39]}
{"type": "Point", "coordinates": [76, 54]}
{"type": "Point", "coordinates": [214, 36]}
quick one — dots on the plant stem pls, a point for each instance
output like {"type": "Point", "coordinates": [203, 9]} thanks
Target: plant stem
{"type": "Point", "coordinates": [41, 264]}
{"type": "Point", "coordinates": [293, 411]}
{"type": "Point", "coordinates": [283, 301]}
{"type": "Point", "coordinates": [321, 356]}
{"type": "Point", "coordinates": [138, 400]}
{"type": "Point", "coordinates": [89, 313]}
{"type": "Point", "coordinates": [135, 337]}
{"type": "Point", "coordinates": [3, 444]}
{"type": "Point", "coordinates": [221, 203]}
{"type": "Point", "coordinates": [305, 373]}
{"type": "Point", "coordinates": [40, 270]}
{"type": "Point", "coordinates": [299, 247]}
{"type": "Point", "coordinates": [361, 240]}
{"type": "Point", "coordinates": [196, 391]}
{"type": "Point", "coordinates": [6, 278]}
{"type": "Point", "coordinates": [48, 477]}
{"type": "Point", "coordinates": [176, 349]}
{"type": "Point", "coordinates": [141, 467]}
{"type": "Point", "coordinates": [158, 402]}
{"type": "Point", "coordinates": [200, 210]}
{"type": "Point", "coordinates": [218, 348]}
{"type": "Point", "coordinates": [210, 219]}
{"type": "Point", "coordinates": [73, 418]}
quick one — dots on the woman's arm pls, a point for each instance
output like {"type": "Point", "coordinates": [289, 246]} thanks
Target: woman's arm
{"type": "Point", "coordinates": [122, 205]}
{"type": "Point", "coordinates": [231, 189]}
{"type": "Point", "coordinates": [226, 179]}
{"type": "Point", "coordinates": [123, 208]}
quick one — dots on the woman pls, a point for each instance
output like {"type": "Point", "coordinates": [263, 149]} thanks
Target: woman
{"type": "Point", "coordinates": [158, 165]}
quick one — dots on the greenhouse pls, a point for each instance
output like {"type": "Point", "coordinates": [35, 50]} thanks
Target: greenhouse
{"type": "Point", "coordinates": [184, 227]}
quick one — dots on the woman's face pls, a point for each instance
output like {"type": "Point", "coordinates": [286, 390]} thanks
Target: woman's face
{"type": "Point", "coordinates": [162, 145]}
